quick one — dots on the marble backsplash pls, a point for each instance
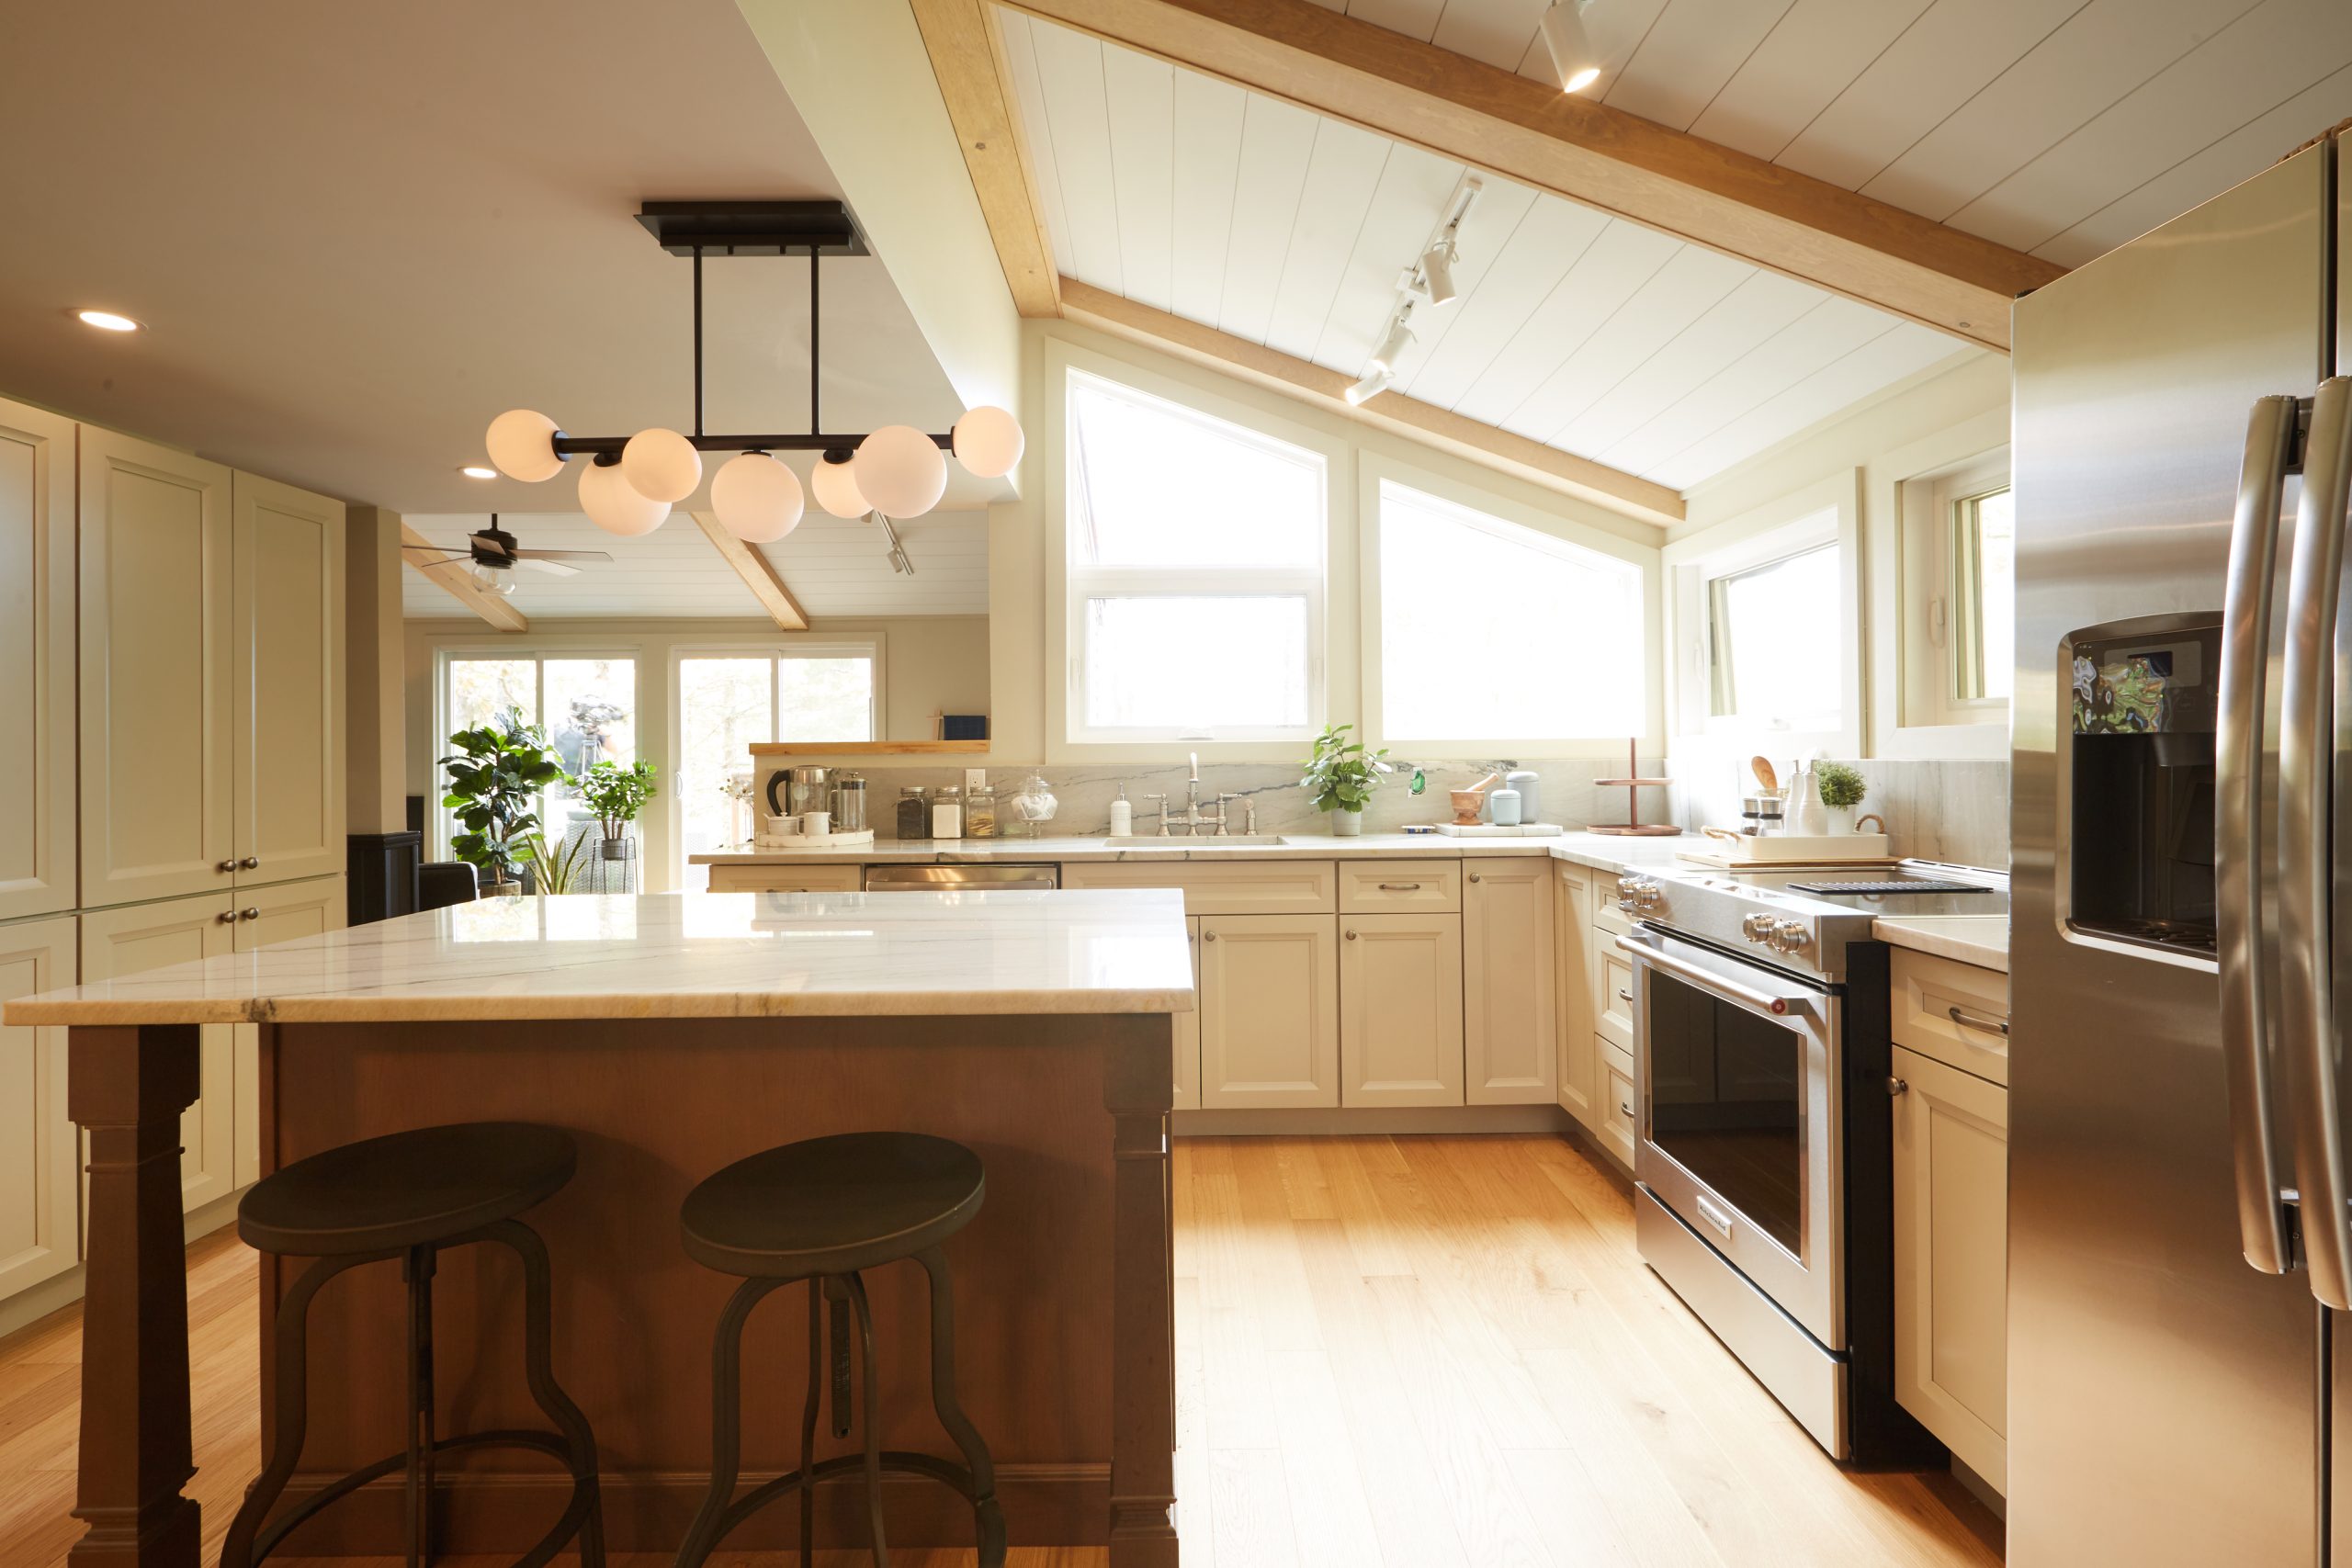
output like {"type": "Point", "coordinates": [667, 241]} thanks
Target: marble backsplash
{"type": "Point", "coordinates": [1947, 811]}
{"type": "Point", "coordinates": [1568, 794]}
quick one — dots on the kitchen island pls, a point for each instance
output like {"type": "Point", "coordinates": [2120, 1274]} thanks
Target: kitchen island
{"type": "Point", "coordinates": [669, 1035]}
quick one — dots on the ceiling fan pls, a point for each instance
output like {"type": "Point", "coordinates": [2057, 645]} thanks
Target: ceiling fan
{"type": "Point", "coordinates": [493, 551]}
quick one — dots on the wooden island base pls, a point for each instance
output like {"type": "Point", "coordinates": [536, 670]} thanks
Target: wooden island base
{"type": "Point", "coordinates": [1062, 1282]}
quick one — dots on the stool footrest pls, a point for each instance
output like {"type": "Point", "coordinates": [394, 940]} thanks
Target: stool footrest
{"type": "Point", "coordinates": [895, 1461]}
{"type": "Point", "coordinates": [583, 1491]}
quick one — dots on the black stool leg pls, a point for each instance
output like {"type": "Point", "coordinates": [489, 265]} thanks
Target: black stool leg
{"type": "Point", "coordinates": [855, 1288]}
{"type": "Point", "coordinates": [416, 1270]}
{"type": "Point", "coordinates": [538, 1367]}
{"type": "Point", "coordinates": [841, 1400]}
{"type": "Point", "coordinates": [817, 1293]}
{"type": "Point", "coordinates": [726, 1423]}
{"type": "Point", "coordinates": [988, 1519]}
{"type": "Point", "coordinates": [290, 1420]}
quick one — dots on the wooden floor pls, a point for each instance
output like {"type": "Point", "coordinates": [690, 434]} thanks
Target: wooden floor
{"type": "Point", "coordinates": [1417, 1352]}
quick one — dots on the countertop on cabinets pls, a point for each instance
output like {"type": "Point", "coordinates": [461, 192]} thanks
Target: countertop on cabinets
{"type": "Point", "coordinates": [1980, 940]}
{"type": "Point", "coordinates": [1602, 850]}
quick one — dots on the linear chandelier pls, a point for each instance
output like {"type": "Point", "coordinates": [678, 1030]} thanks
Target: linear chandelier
{"type": "Point", "coordinates": [631, 482]}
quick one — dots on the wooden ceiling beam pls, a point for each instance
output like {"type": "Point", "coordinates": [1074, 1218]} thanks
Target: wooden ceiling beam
{"type": "Point", "coordinates": [1530, 132]}
{"type": "Point", "coordinates": [458, 583]}
{"type": "Point", "coordinates": [966, 51]}
{"type": "Point", "coordinates": [757, 574]}
{"type": "Point", "coordinates": [1563, 472]}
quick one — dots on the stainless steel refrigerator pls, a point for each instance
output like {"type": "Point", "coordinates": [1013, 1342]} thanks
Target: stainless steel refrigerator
{"type": "Point", "coordinates": [2181, 947]}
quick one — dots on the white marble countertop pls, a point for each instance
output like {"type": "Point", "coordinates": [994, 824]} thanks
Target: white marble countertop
{"type": "Point", "coordinates": [1980, 940]}
{"type": "Point", "coordinates": [683, 956]}
{"type": "Point", "coordinates": [1607, 851]}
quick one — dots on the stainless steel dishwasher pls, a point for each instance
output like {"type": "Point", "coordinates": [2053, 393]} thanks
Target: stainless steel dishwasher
{"type": "Point", "coordinates": [961, 878]}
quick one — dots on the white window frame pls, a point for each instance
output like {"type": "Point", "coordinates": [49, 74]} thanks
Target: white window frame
{"type": "Point", "coordinates": [1825, 512]}
{"type": "Point", "coordinates": [1550, 529]}
{"type": "Point", "coordinates": [437, 816]}
{"type": "Point", "coordinates": [1929, 669]}
{"type": "Point", "coordinates": [1069, 585]}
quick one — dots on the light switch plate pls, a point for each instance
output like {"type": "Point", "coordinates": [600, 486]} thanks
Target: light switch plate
{"type": "Point", "coordinates": [974, 778]}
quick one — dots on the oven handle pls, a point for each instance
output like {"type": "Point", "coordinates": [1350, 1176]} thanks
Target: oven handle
{"type": "Point", "coordinates": [1708, 980]}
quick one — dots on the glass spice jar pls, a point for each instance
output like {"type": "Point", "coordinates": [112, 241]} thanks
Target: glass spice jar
{"type": "Point", "coordinates": [979, 812]}
{"type": "Point", "coordinates": [914, 812]}
{"type": "Point", "coordinates": [947, 813]}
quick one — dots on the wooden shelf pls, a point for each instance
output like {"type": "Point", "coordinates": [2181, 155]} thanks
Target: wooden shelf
{"type": "Point", "coordinates": [869, 749]}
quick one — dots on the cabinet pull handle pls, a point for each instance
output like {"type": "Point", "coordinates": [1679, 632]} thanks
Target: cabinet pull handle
{"type": "Point", "coordinates": [1476, 877]}
{"type": "Point", "coordinates": [1400, 888]}
{"type": "Point", "coordinates": [1895, 1086]}
{"type": "Point", "coordinates": [1208, 936]}
{"type": "Point", "coordinates": [1351, 936]}
{"type": "Point", "coordinates": [1967, 1020]}
{"type": "Point", "coordinates": [249, 914]}
{"type": "Point", "coordinates": [1624, 996]}
{"type": "Point", "coordinates": [251, 862]}
{"type": "Point", "coordinates": [226, 866]}
{"type": "Point", "coordinates": [226, 918]}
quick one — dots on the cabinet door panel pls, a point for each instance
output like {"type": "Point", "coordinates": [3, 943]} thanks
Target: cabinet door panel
{"type": "Point", "coordinates": [155, 678]}
{"type": "Point", "coordinates": [1952, 1259]}
{"type": "Point", "coordinates": [1572, 975]}
{"type": "Point", "coordinates": [1269, 1028]}
{"type": "Point", "coordinates": [285, 912]}
{"type": "Point", "coordinates": [1400, 1010]}
{"type": "Point", "coordinates": [36, 618]}
{"type": "Point", "coordinates": [1511, 1045]}
{"type": "Point", "coordinates": [37, 1202]}
{"type": "Point", "coordinates": [1188, 1033]}
{"type": "Point", "coordinates": [115, 942]}
{"type": "Point", "coordinates": [288, 669]}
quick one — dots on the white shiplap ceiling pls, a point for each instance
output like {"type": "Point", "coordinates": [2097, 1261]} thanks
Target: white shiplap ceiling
{"type": "Point", "coordinates": [835, 570]}
{"type": "Point", "coordinates": [2058, 127]}
{"type": "Point", "coordinates": [1289, 229]}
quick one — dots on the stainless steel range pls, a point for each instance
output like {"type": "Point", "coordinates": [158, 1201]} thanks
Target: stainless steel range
{"type": "Point", "coordinates": [1762, 1154]}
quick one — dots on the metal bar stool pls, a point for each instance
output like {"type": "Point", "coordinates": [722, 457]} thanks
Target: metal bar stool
{"type": "Point", "coordinates": [409, 1196]}
{"type": "Point", "coordinates": [823, 1211]}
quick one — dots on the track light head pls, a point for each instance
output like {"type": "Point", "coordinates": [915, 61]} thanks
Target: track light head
{"type": "Point", "coordinates": [1374, 382]}
{"type": "Point", "coordinates": [1574, 59]}
{"type": "Point", "coordinates": [1436, 273]}
{"type": "Point", "coordinates": [1393, 346]}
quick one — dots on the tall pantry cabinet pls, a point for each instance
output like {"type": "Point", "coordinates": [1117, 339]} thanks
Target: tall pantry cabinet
{"type": "Point", "coordinates": [171, 663]}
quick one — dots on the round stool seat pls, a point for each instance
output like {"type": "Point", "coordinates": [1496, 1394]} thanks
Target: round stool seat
{"type": "Point", "coordinates": [833, 1205]}
{"type": "Point", "coordinates": [406, 1188]}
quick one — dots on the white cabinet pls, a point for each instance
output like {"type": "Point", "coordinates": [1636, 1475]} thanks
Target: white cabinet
{"type": "Point", "coordinates": [36, 620]}
{"type": "Point", "coordinates": [287, 746]}
{"type": "Point", "coordinates": [1618, 1104]}
{"type": "Point", "coordinates": [1269, 1018]}
{"type": "Point", "coordinates": [284, 912]}
{"type": "Point", "coordinates": [1510, 1046]}
{"type": "Point", "coordinates": [1188, 1031]}
{"type": "Point", "coordinates": [1400, 1010]}
{"type": "Point", "coordinates": [1952, 1258]}
{"type": "Point", "coordinates": [157, 818]}
{"type": "Point", "coordinates": [38, 1191]}
{"type": "Point", "coordinates": [115, 942]}
{"type": "Point", "coordinates": [786, 878]}
{"type": "Point", "coordinates": [1572, 982]}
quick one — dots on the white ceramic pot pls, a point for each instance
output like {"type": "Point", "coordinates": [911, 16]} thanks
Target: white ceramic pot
{"type": "Point", "coordinates": [1840, 818]}
{"type": "Point", "coordinates": [1346, 824]}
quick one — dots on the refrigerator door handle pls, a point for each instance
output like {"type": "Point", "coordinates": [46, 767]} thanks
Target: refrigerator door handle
{"type": "Point", "coordinates": [2307, 741]}
{"type": "Point", "coordinates": [2247, 1006]}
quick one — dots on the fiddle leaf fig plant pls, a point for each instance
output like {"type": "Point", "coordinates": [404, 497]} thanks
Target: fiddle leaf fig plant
{"type": "Point", "coordinates": [1341, 776]}
{"type": "Point", "coordinates": [616, 794]}
{"type": "Point", "coordinates": [496, 775]}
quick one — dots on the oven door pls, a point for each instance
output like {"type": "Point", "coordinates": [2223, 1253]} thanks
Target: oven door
{"type": "Point", "coordinates": [1739, 1108]}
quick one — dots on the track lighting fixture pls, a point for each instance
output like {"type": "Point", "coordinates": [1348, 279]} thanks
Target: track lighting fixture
{"type": "Point", "coordinates": [1575, 60]}
{"type": "Point", "coordinates": [1374, 382]}
{"type": "Point", "coordinates": [631, 482]}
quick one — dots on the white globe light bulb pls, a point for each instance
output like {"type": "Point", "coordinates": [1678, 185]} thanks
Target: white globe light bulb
{"type": "Point", "coordinates": [615, 505]}
{"type": "Point", "coordinates": [835, 488]}
{"type": "Point", "coordinates": [757, 497]}
{"type": "Point", "coordinates": [989, 442]}
{"type": "Point", "coordinates": [521, 443]}
{"type": "Point", "coordinates": [900, 470]}
{"type": "Point", "coordinates": [661, 465]}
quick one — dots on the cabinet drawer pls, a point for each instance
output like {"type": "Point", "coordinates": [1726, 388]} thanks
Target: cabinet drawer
{"type": "Point", "coordinates": [786, 878]}
{"type": "Point", "coordinates": [1612, 994]}
{"type": "Point", "coordinates": [1954, 1012]}
{"type": "Point", "coordinates": [1272, 887]}
{"type": "Point", "coordinates": [1400, 888]}
{"type": "Point", "coordinates": [1606, 915]}
{"type": "Point", "coordinates": [1617, 1102]}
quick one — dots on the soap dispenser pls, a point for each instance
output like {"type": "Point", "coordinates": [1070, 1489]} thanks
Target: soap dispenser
{"type": "Point", "coordinates": [1122, 814]}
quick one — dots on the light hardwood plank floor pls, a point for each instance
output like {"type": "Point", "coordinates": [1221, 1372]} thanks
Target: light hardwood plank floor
{"type": "Point", "coordinates": [1410, 1352]}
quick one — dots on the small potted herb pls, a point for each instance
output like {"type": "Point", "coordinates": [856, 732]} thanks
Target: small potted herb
{"type": "Point", "coordinates": [1841, 788]}
{"type": "Point", "coordinates": [616, 794]}
{"type": "Point", "coordinates": [496, 776]}
{"type": "Point", "coordinates": [1341, 776]}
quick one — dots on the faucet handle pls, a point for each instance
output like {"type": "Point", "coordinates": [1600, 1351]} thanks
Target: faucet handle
{"type": "Point", "coordinates": [1163, 798]}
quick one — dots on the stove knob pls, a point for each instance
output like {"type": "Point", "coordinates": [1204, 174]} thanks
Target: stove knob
{"type": "Point", "coordinates": [1789, 936]}
{"type": "Point", "coordinates": [1648, 894]}
{"type": "Point", "coordinates": [1756, 927]}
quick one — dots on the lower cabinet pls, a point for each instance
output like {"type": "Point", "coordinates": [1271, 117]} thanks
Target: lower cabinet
{"type": "Point", "coordinates": [1952, 1259]}
{"type": "Point", "coordinates": [134, 936]}
{"type": "Point", "coordinates": [1400, 1010]}
{"type": "Point", "coordinates": [1511, 1051]}
{"type": "Point", "coordinates": [1270, 1011]}
{"type": "Point", "coordinates": [786, 878]}
{"type": "Point", "coordinates": [39, 1196]}
{"type": "Point", "coordinates": [1618, 1103]}
{"type": "Point", "coordinates": [1572, 991]}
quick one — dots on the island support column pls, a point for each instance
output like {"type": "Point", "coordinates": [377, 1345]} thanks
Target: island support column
{"type": "Point", "coordinates": [1139, 1090]}
{"type": "Point", "coordinates": [126, 1087]}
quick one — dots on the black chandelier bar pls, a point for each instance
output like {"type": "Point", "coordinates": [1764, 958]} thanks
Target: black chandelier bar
{"type": "Point", "coordinates": [749, 229]}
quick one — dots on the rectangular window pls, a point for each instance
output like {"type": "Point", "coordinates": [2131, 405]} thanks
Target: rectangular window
{"type": "Point", "coordinates": [1483, 622]}
{"type": "Point", "coordinates": [1773, 656]}
{"type": "Point", "coordinates": [730, 701]}
{"type": "Point", "coordinates": [1984, 595]}
{"type": "Point", "coordinates": [1195, 565]}
{"type": "Point", "coordinates": [584, 702]}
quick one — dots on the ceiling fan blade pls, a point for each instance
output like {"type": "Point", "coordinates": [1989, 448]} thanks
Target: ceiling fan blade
{"type": "Point", "coordinates": [489, 544]}
{"type": "Point", "coordinates": [552, 567]}
{"type": "Point", "coordinates": [562, 555]}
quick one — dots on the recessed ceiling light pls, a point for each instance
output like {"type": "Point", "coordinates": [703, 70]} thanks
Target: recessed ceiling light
{"type": "Point", "coordinates": [476, 471]}
{"type": "Point", "coordinates": [105, 320]}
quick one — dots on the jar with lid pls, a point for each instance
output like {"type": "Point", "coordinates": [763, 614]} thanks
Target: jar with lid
{"type": "Point", "coordinates": [849, 803]}
{"type": "Point", "coordinates": [979, 812]}
{"type": "Point", "coordinates": [947, 813]}
{"type": "Point", "coordinates": [914, 812]}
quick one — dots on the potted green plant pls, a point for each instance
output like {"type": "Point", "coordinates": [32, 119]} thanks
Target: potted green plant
{"type": "Point", "coordinates": [1341, 776]}
{"type": "Point", "coordinates": [616, 794]}
{"type": "Point", "coordinates": [496, 775]}
{"type": "Point", "coordinates": [558, 867]}
{"type": "Point", "coordinates": [1841, 789]}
